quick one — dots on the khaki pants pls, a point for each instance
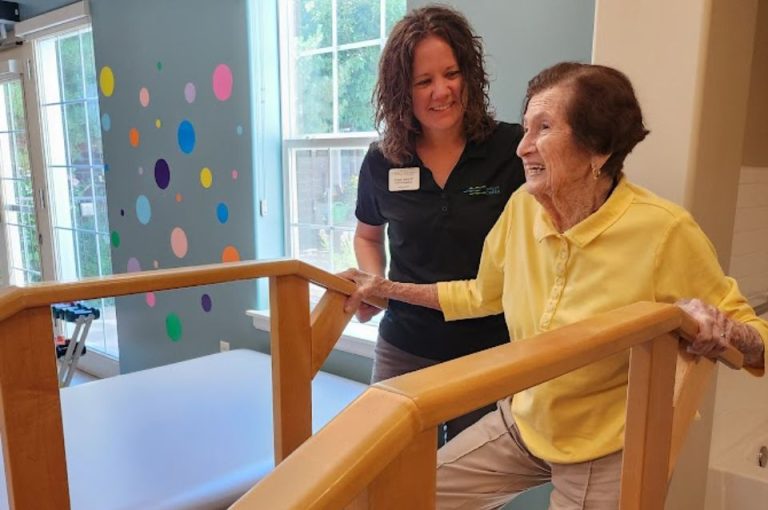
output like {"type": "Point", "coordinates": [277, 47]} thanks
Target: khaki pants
{"type": "Point", "coordinates": [488, 464]}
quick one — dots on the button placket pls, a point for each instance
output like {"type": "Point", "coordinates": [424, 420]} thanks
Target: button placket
{"type": "Point", "coordinates": [559, 284]}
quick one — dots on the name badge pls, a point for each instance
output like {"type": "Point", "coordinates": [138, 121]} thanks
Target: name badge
{"type": "Point", "coordinates": [404, 179]}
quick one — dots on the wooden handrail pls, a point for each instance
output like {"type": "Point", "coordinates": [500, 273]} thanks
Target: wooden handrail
{"type": "Point", "coordinates": [34, 455]}
{"type": "Point", "coordinates": [346, 457]}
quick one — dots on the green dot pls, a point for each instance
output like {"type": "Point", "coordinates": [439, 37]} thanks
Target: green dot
{"type": "Point", "coordinates": [159, 66]}
{"type": "Point", "coordinates": [115, 238]}
{"type": "Point", "coordinates": [173, 327]}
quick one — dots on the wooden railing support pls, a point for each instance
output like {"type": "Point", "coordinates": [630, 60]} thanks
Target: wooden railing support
{"type": "Point", "coordinates": [291, 363]}
{"type": "Point", "coordinates": [32, 433]}
{"type": "Point", "coordinates": [648, 431]}
{"type": "Point", "coordinates": [328, 322]}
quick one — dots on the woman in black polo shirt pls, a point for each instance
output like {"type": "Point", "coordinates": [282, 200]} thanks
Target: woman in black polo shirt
{"type": "Point", "coordinates": [439, 176]}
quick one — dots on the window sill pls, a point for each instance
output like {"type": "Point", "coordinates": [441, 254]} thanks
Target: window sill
{"type": "Point", "coordinates": [357, 338]}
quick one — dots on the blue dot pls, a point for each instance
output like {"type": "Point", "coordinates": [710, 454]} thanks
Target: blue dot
{"type": "Point", "coordinates": [106, 122]}
{"type": "Point", "coordinates": [106, 167]}
{"type": "Point", "coordinates": [143, 209]}
{"type": "Point", "coordinates": [186, 136]}
{"type": "Point", "coordinates": [222, 212]}
{"type": "Point", "coordinates": [239, 130]}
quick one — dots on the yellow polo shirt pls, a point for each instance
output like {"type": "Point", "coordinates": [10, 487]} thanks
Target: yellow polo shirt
{"type": "Point", "coordinates": [636, 247]}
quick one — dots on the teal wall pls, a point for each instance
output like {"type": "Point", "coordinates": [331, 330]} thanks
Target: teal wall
{"type": "Point", "coordinates": [205, 104]}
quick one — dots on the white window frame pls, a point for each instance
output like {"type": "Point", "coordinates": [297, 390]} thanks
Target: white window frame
{"type": "Point", "coordinates": [58, 22]}
{"type": "Point", "coordinates": [358, 338]}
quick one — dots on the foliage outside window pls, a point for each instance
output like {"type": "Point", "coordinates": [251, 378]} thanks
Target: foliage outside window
{"type": "Point", "coordinates": [330, 54]}
{"type": "Point", "coordinates": [69, 111]}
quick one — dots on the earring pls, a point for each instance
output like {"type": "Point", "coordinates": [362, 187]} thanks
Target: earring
{"type": "Point", "coordinates": [596, 172]}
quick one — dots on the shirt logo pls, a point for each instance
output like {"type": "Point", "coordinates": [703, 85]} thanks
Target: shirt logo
{"type": "Point", "coordinates": [483, 190]}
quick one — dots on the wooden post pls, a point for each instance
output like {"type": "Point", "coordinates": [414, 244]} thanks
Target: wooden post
{"type": "Point", "coordinates": [32, 433]}
{"type": "Point", "coordinates": [328, 321]}
{"type": "Point", "coordinates": [291, 340]}
{"type": "Point", "coordinates": [649, 424]}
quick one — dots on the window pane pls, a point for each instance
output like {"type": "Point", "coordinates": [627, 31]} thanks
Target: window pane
{"type": "Point", "coordinates": [313, 23]}
{"type": "Point", "coordinates": [314, 101]}
{"type": "Point", "coordinates": [344, 187]}
{"type": "Point", "coordinates": [94, 133]}
{"type": "Point", "coordinates": [77, 134]}
{"type": "Point", "coordinates": [83, 207]}
{"type": "Point", "coordinates": [89, 66]}
{"type": "Point", "coordinates": [343, 250]}
{"type": "Point", "coordinates": [357, 20]}
{"type": "Point", "coordinates": [55, 140]}
{"type": "Point", "coordinates": [357, 76]}
{"type": "Point", "coordinates": [312, 183]}
{"type": "Point", "coordinates": [395, 9]}
{"type": "Point", "coordinates": [70, 60]}
{"type": "Point", "coordinates": [314, 246]}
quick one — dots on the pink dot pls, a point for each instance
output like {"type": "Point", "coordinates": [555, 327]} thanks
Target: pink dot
{"type": "Point", "coordinates": [151, 300]}
{"type": "Point", "coordinates": [190, 92]}
{"type": "Point", "coordinates": [234, 175]}
{"type": "Point", "coordinates": [133, 265]}
{"type": "Point", "coordinates": [222, 82]}
{"type": "Point", "coordinates": [179, 242]}
{"type": "Point", "coordinates": [144, 97]}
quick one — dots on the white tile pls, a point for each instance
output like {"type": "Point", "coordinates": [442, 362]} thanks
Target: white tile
{"type": "Point", "coordinates": [750, 242]}
{"type": "Point", "coordinates": [749, 265]}
{"type": "Point", "coordinates": [753, 174]}
{"type": "Point", "coordinates": [753, 194]}
{"type": "Point", "coordinates": [751, 219]}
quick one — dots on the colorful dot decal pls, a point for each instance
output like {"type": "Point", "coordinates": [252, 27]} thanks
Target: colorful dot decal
{"type": "Point", "coordinates": [222, 212]}
{"type": "Point", "coordinates": [179, 197]}
{"type": "Point", "coordinates": [239, 130]}
{"type": "Point", "coordinates": [159, 66]}
{"type": "Point", "coordinates": [155, 264]}
{"type": "Point", "coordinates": [179, 243]}
{"type": "Point", "coordinates": [230, 254]}
{"type": "Point", "coordinates": [107, 81]}
{"type": "Point", "coordinates": [150, 299]}
{"type": "Point", "coordinates": [144, 97]}
{"type": "Point", "coordinates": [206, 178]}
{"type": "Point", "coordinates": [106, 167]}
{"type": "Point", "coordinates": [173, 327]}
{"type": "Point", "coordinates": [133, 137]}
{"type": "Point", "coordinates": [143, 209]}
{"type": "Point", "coordinates": [162, 173]}
{"type": "Point", "coordinates": [190, 92]}
{"type": "Point", "coordinates": [206, 303]}
{"type": "Point", "coordinates": [186, 137]}
{"type": "Point", "coordinates": [222, 82]}
{"type": "Point", "coordinates": [158, 123]}
{"type": "Point", "coordinates": [106, 122]}
{"type": "Point", "coordinates": [133, 265]}
{"type": "Point", "coordinates": [114, 237]}
{"type": "Point", "coordinates": [122, 212]}
{"type": "Point", "coordinates": [141, 170]}
{"type": "Point", "coordinates": [234, 175]}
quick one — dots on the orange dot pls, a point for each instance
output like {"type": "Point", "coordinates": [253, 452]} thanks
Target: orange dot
{"type": "Point", "coordinates": [133, 137]}
{"type": "Point", "coordinates": [179, 198]}
{"type": "Point", "coordinates": [230, 254]}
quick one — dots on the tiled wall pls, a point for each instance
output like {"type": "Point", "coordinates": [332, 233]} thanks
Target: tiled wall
{"type": "Point", "coordinates": [749, 257]}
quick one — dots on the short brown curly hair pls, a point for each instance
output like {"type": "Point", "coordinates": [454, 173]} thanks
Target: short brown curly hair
{"type": "Point", "coordinates": [392, 100]}
{"type": "Point", "coordinates": [603, 111]}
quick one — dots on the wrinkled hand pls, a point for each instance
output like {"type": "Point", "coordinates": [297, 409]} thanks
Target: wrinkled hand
{"type": "Point", "coordinates": [367, 286]}
{"type": "Point", "coordinates": [716, 330]}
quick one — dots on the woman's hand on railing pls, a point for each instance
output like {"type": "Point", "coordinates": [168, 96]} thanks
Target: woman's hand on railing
{"type": "Point", "coordinates": [717, 331]}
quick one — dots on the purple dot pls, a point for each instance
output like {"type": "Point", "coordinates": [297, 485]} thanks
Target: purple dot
{"type": "Point", "coordinates": [206, 303]}
{"type": "Point", "coordinates": [162, 173]}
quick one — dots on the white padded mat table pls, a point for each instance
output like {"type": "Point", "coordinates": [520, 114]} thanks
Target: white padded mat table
{"type": "Point", "coordinates": [190, 435]}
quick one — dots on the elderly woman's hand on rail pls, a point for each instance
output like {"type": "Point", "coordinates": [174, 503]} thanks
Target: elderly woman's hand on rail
{"type": "Point", "coordinates": [370, 285]}
{"type": "Point", "coordinates": [717, 331]}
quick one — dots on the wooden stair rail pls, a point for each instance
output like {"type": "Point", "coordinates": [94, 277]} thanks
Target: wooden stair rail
{"type": "Point", "coordinates": [30, 409]}
{"type": "Point", "coordinates": [379, 453]}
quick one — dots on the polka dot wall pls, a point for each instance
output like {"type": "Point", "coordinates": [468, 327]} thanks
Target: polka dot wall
{"type": "Point", "coordinates": [177, 147]}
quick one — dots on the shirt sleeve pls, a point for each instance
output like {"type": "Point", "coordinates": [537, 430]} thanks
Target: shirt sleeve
{"type": "Point", "coordinates": [480, 297]}
{"type": "Point", "coordinates": [687, 267]}
{"type": "Point", "coordinates": [367, 208]}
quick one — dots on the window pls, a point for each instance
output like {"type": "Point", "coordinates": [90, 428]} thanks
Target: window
{"type": "Point", "coordinates": [52, 187]}
{"type": "Point", "coordinates": [329, 58]}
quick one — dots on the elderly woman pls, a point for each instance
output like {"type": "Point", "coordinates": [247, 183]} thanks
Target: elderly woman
{"type": "Point", "coordinates": [578, 240]}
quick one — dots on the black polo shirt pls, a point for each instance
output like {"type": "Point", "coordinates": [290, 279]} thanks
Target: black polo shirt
{"type": "Point", "coordinates": [437, 235]}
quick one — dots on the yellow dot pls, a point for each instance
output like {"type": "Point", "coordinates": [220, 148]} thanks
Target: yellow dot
{"type": "Point", "coordinates": [206, 177]}
{"type": "Point", "coordinates": [158, 123]}
{"type": "Point", "coordinates": [107, 81]}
